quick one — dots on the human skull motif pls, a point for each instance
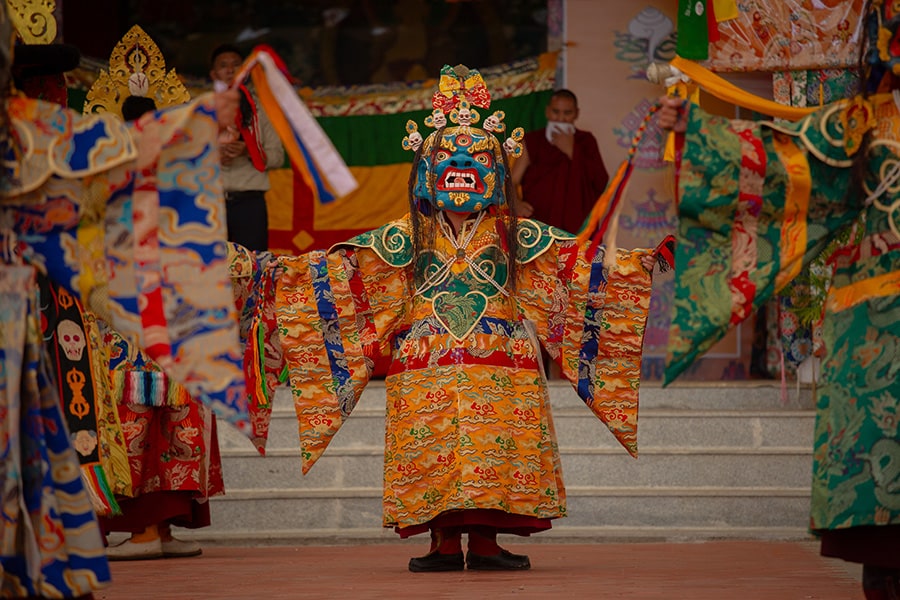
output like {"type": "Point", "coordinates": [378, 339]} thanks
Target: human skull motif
{"type": "Point", "coordinates": [138, 84]}
{"type": "Point", "coordinates": [465, 116]}
{"type": "Point", "coordinates": [415, 140]}
{"type": "Point", "coordinates": [494, 123]}
{"type": "Point", "coordinates": [71, 338]}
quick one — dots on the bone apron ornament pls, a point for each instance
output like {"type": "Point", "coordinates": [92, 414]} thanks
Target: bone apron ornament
{"type": "Point", "coordinates": [65, 342]}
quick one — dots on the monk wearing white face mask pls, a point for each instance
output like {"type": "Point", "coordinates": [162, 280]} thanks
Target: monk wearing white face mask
{"type": "Point", "coordinates": [561, 171]}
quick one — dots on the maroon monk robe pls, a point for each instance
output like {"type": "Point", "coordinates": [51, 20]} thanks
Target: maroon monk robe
{"type": "Point", "coordinates": [563, 191]}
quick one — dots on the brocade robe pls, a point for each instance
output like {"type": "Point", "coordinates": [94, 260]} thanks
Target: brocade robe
{"type": "Point", "coordinates": [468, 415]}
{"type": "Point", "coordinates": [129, 219]}
{"type": "Point", "coordinates": [757, 202]}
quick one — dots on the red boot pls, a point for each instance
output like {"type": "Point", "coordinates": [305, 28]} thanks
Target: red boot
{"type": "Point", "coordinates": [486, 555]}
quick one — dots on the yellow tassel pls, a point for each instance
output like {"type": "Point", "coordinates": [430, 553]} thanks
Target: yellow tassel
{"type": "Point", "coordinates": [679, 90]}
{"type": "Point", "coordinates": [176, 395]}
{"type": "Point", "coordinates": [610, 259]}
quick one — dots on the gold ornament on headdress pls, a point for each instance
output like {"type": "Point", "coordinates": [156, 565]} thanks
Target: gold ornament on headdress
{"type": "Point", "coordinates": [436, 119]}
{"type": "Point", "coordinates": [494, 123]}
{"type": "Point", "coordinates": [414, 139]}
{"type": "Point", "coordinates": [513, 142]}
{"type": "Point", "coordinates": [33, 20]}
{"type": "Point", "coordinates": [460, 89]}
{"type": "Point", "coordinates": [136, 68]}
{"type": "Point", "coordinates": [464, 115]}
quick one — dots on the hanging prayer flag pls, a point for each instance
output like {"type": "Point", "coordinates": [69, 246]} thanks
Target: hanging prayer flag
{"type": "Point", "coordinates": [311, 152]}
{"type": "Point", "coordinates": [693, 30]}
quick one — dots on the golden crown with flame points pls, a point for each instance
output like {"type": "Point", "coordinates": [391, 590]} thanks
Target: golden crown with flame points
{"type": "Point", "coordinates": [459, 91]}
{"type": "Point", "coordinates": [136, 68]}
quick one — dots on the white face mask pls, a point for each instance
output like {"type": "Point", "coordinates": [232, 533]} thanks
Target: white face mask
{"type": "Point", "coordinates": [558, 126]}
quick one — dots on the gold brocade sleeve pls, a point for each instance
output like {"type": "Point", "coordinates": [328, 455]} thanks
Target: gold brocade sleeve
{"type": "Point", "coordinates": [336, 314]}
{"type": "Point", "coordinates": [591, 320]}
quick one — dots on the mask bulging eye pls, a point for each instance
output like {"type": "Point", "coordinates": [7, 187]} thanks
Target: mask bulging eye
{"type": "Point", "coordinates": [441, 155]}
{"type": "Point", "coordinates": [484, 158]}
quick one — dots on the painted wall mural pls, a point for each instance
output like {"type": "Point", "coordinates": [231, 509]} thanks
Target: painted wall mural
{"type": "Point", "coordinates": [618, 100]}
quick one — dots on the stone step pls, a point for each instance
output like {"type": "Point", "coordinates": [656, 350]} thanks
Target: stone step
{"type": "Point", "coordinates": [290, 536]}
{"type": "Point", "coordinates": [702, 415]}
{"type": "Point", "coordinates": [363, 467]}
{"type": "Point", "coordinates": [656, 427]}
{"type": "Point", "coordinates": [730, 395]}
{"type": "Point", "coordinates": [728, 460]}
{"type": "Point", "coordinates": [784, 508]}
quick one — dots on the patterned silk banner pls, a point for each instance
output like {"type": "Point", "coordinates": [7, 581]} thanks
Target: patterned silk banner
{"type": "Point", "coordinates": [780, 35]}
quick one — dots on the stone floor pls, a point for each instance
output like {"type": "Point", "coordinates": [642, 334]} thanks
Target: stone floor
{"type": "Point", "coordinates": [711, 570]}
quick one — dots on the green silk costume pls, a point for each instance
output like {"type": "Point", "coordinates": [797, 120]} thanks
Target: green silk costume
{"type": "Point", "coordinates": [757, 202]}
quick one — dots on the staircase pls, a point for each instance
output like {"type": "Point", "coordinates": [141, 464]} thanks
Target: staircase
{"type": "Point", "coordinates": [723, 460]}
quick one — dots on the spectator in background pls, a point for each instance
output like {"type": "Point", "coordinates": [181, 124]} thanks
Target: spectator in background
{"type": "Point", "coordinates": [561, 171]}
{"type": "Point", "coordinates": [248, 149]}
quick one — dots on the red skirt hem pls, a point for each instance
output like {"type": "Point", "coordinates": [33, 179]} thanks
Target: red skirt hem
{"type": "Point", "coordinates": [178, 508]}
{"type": "Point", "coordinates": [503, 522]}
{"type": "Point", "coordinates": [875, 545]}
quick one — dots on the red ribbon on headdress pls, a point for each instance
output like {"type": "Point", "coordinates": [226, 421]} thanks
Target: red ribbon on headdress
{"type": "Point", "coordinates": [444, 103]}
{"type": "Point", "coordinates": [250, 133]}
{"type": "Point", "coordinates": [479, 97]}
{"type": "Point", "coordinates": [453, 89]}
{"type": "Point", "coordinates": [476, 91]}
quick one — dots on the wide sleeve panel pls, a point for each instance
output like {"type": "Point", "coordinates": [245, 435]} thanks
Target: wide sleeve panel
{"type": "Point", "coordinates": [132, 220]}
{"type": "Point", "coordinates": [336, 313]}
{"type": "Point", "coordinates": [756, 203]}
{"type": "Point", "coordinates": [591, 317]}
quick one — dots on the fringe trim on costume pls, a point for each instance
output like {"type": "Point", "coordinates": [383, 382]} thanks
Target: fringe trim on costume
{"type": "Point", "coordinates": [254, 366]}
{"type": "Point", "coordinates": [102, 497]}
{"type": "Point", "coordinates": [255, 352]}
{"type": "Point", "coordinates": [147, 388]}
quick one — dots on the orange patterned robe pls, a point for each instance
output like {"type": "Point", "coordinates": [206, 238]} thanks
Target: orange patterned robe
{"type": "Point", "coordinates": [468, 414]}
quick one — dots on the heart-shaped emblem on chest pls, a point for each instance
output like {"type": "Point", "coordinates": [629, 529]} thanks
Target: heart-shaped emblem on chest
{"type": "Point", "coordinates": [459, 313]}
{"type": "Point", "coordinates": [490, 261]}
